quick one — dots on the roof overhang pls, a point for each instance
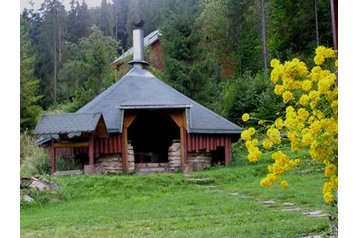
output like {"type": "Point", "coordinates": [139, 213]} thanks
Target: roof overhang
{"type": "Point", "coordinates": [176, 106]}
{"type": "Point", "coordinates": [70, 125]}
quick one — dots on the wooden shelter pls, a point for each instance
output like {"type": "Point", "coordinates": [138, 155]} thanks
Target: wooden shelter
{"type": "Point", "coordinates": [140, 124]}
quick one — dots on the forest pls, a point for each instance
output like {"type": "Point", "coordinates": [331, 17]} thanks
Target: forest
{"type": "Point", "coordinates": [215, 51]}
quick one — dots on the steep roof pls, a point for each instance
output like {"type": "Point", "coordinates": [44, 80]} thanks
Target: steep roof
{"type": "Point", "coordinates": [67, 123]}
{"type": "Point", "coordinates": [148, 40]}
{"type": "Point", "coordinates": [141, 89]}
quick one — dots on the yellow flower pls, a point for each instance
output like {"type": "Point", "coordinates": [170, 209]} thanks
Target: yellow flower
{"type": "Point", "coordinates": [304, 99]}
{"type": "Point", "coordinates": [307, 138]}
{"type": "Point", "coordinates": [306, 85]}
{"type": "Point", "coordinates": [318, 59]}
{"type": "Point", "coordinates": [267, 144]}
{"type": "Point", "coordinates": [323, 53]}
{"type": "Point", "coordinates": [314, 95]}
{"type": "Point", "coordinates": [245, 117]}
{"type": "Point", "coordinates": [303, 114]}
{"type": "Point", "coordinates": [274, 135]}
{"type": "Point", "coordinates": [336, 63]}
{"type": "Point", "coordinates": [265, 182]}
{"type": "Point", "coordinates": [275, 63]}
{"type": "Point", "coordinates": [287, 96]}
{"type": "Point", "coordinates": [328, 197]}
{"type": "Point", "coordinates": [279, 123]}
{"type": "Point", "coordinates": [279, 89]}
{"type": "Point", "coordinates": [334, 105]}
{"type": "Point", "coordinates": [284, 184]}
{"type": "Point", "coordinates": [252, 131]}
{"type": "Point", "coordinates": [330, 170]}
{"type": "Point", "coordinates": [245, 135]}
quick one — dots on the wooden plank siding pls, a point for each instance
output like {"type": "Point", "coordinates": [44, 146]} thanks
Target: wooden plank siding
{"type": "Point", "coordinates": [208, 143]}
{"type": "Point", "coordinates": [110, 145]}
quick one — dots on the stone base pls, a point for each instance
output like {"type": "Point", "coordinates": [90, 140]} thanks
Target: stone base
{"type": "Point", "coordinates": [199, 161]}
{"type": "Point", "coordinates": [146, 168]}
{"type": "Point", "coordinates": [89, 169]}
{"type": "Point", "coordinates": [174, 157]}
{"type": "Point", "coordinates": [109, 165]}
{"type": "Point", "coordinates": [68, 173]}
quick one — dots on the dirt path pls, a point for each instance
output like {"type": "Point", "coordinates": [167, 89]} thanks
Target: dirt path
{"type": "Point", "coordinates": [272, 204]}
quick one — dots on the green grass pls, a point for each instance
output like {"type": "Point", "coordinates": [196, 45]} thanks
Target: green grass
{"type": "Point", "coordinates": [168, 205]}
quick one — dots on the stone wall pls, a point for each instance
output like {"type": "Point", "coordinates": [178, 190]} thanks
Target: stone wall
{"type": "Point", "coordinates": [174, 156]}
{"type": "Point", "coordinates": [111, 164]}
{"type": "Point", "coordinates": [145, 168]}
{"type": "Point", "coordinates": [68, 172]}
{"type": "Point", "coordinates": [199, 161]}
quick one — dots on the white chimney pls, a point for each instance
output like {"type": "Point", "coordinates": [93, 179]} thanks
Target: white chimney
{"type": "Point", "coordinates": [138, 46]}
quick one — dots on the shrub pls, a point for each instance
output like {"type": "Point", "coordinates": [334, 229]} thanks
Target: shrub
{"type": "Point", "coordinates": [34, 160]}
{"type": "Point", "coordinates": [250, 93]}
{"type": "Point", "coordinates": [310, 121]}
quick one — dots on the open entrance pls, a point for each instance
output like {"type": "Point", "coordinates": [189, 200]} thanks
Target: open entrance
{"type": "Point", "coordinates": [218, 156]}
{"type": "Point", "coordinates": [151, 134]}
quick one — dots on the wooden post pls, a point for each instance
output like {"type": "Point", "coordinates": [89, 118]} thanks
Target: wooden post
{"type": "Point", "coordinates": [124, 150]}
{"type": "Point", "coordinates": [53, 158]}
{"type": "Point", "coordinates": [227, 150]}
{"type": "Point", "coordinates": [182, 149]}
{"type": "Point", "coordinates": [91, 151]}
{"type": "Point", "coordinates": [129, 117]}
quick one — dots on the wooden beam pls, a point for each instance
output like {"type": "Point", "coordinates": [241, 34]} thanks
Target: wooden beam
{"type": "Point", "coordinates": [129, 117]}
{"type": "Point", "coordinates": [124, 150]}
{"type": "Point", "coordinates": [53, 158]}
{"type": "Point", "coordinates": [71, 145]}
{"type": "Point", "coordinates": [182, 149]}
{"type": "Point", "coordinates": [91, 150]}
{"type": "Point", "coordinates": [227, 150]}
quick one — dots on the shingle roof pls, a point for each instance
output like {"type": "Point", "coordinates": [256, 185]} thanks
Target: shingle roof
{"type": "Point", "coordinates": [141, 89]}
{"type": "Point", "coordinates": [148, 40]}
{"type": "Point", "coordinates": [67, 123]}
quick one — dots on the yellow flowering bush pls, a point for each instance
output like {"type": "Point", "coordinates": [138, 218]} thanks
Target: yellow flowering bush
{"type": "Point", "coordinates": [310, 120]}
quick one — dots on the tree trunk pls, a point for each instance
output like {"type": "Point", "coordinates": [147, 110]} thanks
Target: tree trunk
{"type": "Point", "coordinates": [334, 17]}
{"type": "Point", "coordinates": [55, 63]}
{"type": "Point", "coordinates": [316, 20]}
{"type": "Point", "coordinates": [263, 33]}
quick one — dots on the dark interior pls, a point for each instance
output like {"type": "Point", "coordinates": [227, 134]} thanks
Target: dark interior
{"type": "Point", "coordinates": [151, 134]}
{"type": "Point", "coordinates": [218, 156]}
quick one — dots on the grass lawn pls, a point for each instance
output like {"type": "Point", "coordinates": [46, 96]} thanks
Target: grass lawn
{"type": "Point", "coordinates": [169, 205]}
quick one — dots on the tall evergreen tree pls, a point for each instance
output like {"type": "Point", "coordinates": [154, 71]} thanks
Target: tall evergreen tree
{"type": "Point", "coordinates": [51, 29]}
{"type": "Point", "coordinates": [29, 97]}
{"type": "Point", "coordinates": [187, 69]}
{"type": "Point", "coordinates": [88, 72]}
{"type": "Point", "coordinates": [106, 21]}
{"type": "Point", "coordinates": [78, 21]}
{"type": "Point", "coordinates": [120, 9]}
{"type": "Point", "coordinates": [292, 27]}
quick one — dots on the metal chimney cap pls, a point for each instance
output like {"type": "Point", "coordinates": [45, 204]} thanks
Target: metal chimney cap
{"type": "Point", "coordinates": [138, 61]}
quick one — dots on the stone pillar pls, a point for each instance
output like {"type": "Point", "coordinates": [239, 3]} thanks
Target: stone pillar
{"type": "Point", "coordinates": [174, 157]}
{"type": "Point", "coordinates": [131, 163]}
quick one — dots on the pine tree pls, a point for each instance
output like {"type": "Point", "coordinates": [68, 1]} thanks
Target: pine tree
{"type": "Point", "coordinates": [29, 97]}
{"type": "Point", "coordinates": [186, 68]}
{"type": "Point", "coordinates": [106, 21]}
{"type": "Point", "coordinates": [120, 12]}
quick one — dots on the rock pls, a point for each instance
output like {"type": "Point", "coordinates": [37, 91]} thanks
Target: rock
{"type": "Point", "coordinates": [39, 185]}
{"type": "Point", "coordinates": [27, 199]}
